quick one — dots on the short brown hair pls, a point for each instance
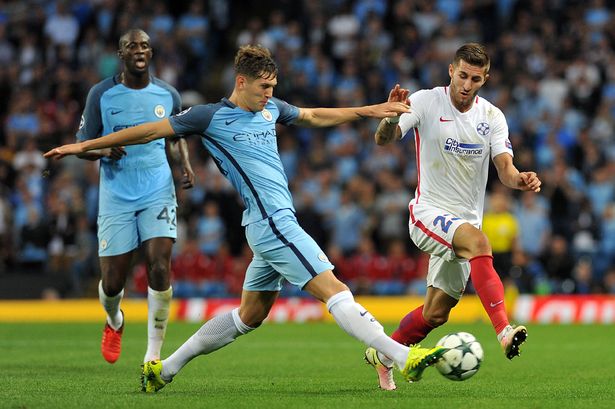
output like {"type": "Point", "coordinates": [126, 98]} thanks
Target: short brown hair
{"type": "Point", "coordinates": [473, 54]}
{"type": "Point", "coordinates": [255, 61]}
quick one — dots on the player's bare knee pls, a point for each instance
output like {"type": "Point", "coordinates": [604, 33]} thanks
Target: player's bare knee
{"type": "Point", "coordinates": [158, 275]}
{"type": "Point", "coordinates": [479, 245]}
{"type": "Point", "coordinates": [112, 286]}
{"type": "Point", "coordinates": [252, 319]}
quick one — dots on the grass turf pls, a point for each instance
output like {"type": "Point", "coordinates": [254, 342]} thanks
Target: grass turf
{"type": "Point", "coordinates": [299, 366]}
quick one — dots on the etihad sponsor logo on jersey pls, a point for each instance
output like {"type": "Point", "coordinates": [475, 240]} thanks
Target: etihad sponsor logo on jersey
{"type": "Point", "coordinates": [257, 138]}
{"type": "Point", "coordinates": [120, 127]}
{"type": "Point", "coordinates": [455, 147]}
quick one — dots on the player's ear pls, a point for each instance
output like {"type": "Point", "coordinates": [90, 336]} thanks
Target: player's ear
{"type": "Point", "coordinates": [450, 70]}
{"type": "Point", "coordinates": [240, 82]}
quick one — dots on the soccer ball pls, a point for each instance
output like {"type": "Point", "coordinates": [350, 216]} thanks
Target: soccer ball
{"type": "Point", "coordinates": [464, 357]}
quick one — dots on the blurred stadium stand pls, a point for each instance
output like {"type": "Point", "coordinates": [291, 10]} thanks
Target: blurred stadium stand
{"type": "Point", "coordinates": [553, 75]}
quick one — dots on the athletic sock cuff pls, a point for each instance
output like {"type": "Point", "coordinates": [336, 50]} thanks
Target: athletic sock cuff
{"type": "Point", "coordinates": [482, 256]}
{"type": "Point", "coordinates": [164, 295]}
{"type": "Point", "coordinates": [102, 292]}
{"type": "Point", "coordinates": [241, 327]}
{"type": "Point", "coordinates": [339, 297]}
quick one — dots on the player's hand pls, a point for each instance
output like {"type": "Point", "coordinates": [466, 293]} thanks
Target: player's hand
{"type": "Point", "coordinates": [64, 150]}
{"type": "Point", "coordinates": [114, 153]}
{"type": "Point", "coordinates": [188, 177]}
{"type": "Point", "coordinates": [529, 181]}
{"type": "Point", "coordinates": [389, 109]}
{"type": "Point", "coordinates": [398, 94]}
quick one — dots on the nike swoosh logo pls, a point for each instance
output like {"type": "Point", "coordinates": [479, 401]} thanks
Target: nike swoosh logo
{"type": "Point", "coordinates": [115, 112]}
{"type": "Point", "coordinates": [445, 120]}
{"type": "Point", "coordinates": [231, 121]}
{"type": "Point", "coordinates": [363, 313]}
{"type": "Point", "coordinates": [159, 320]}
{"type": "Point", "coordinates": [494, 304]}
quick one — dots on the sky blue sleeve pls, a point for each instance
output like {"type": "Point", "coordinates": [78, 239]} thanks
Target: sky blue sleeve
{"type": "Point", "coordinates": [90, 126]}
{"type": "Point", "coordinates": [288, 112]}
{"type": "Point", "coordinates": [193, 120]}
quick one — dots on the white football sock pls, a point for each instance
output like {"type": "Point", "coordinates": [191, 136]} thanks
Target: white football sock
{"type": "Point", "coordinates": [219, 331]}
{"type": "Point", "coordinates": [112, 306]}
{"type": "Point", "coordinates": [158, 304]}
{"type": "Point", "coordinates": [359, 323]}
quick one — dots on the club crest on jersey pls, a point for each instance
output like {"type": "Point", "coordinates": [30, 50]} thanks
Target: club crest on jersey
{"type": "Point", "coordinates": [483, 129]}
{"type": "Point", "coordinates": [159, 111]}
{"type": "Point", "coordinates": [266, 114]}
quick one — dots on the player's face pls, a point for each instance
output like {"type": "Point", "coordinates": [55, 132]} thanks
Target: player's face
{"type": "Point", "coordinates": [466, 80]}
{"type": "Point", "coordinates": [256, 92]}
{"type": "Point", "coordinates": [136, 53]}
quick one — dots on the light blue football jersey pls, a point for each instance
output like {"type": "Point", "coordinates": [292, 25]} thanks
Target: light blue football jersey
{"type": "Point", "coordinates": [244, 146]}
{"type": "Point", "coordinates": [143, 177]}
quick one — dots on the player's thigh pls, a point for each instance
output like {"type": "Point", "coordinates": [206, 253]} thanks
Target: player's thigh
{"type": "Point", "coordinates": [280, 245]}
{"type": "Point", "coordinates": [157, 221]}
{"type": "Point", "coordinates": [432, 230]}
{"type": "Point", "coordinates": [449, 276]}
{"type": "Point", "coordinates": [117, 234]}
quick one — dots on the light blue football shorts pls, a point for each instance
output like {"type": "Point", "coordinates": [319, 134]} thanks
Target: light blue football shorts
{"type": "Point", "coordinates": [282, 249]}
{"type": "Point", "coordinates": [123, 232]}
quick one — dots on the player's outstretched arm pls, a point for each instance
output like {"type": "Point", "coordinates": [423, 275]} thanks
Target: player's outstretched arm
{"type": "Point", "coordinates": [510, 176]}
{"type": "Point", "coordinates": [143, 133]}
{"type": "Point", "coordinates": [321, 117]}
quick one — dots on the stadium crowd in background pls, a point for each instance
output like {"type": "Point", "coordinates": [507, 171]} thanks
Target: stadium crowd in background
{"type": "Point", "coordinates": [552, 74]}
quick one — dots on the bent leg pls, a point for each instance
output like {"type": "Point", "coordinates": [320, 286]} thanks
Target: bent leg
{"type": "Point", "coordinates": [114, 270]}
{"type": "Point", "coordinates": [472, 244]}
{"type": "Point", "coordinates": [415, 326]}
{"type": "Point", "coordinates": [221, 330]}
{"type": "Point", "coordinates": [353, 318]}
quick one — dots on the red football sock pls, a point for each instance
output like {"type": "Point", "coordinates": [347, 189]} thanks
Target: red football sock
{"type": "Point", "coordinates": [413, 328]}
{"type": "Point", "coordinates": [490, 290]}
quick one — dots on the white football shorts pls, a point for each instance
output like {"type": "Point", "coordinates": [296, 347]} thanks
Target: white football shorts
{"type": "Point", "coordinates": [432, 230]}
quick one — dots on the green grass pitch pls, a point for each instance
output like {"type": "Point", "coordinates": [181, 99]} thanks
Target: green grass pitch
{"type": "Point", "coordinates": [299, 366]}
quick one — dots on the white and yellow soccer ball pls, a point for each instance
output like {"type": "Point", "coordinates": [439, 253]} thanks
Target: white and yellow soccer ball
{"type": "Point", "coordinates": [463, 358]}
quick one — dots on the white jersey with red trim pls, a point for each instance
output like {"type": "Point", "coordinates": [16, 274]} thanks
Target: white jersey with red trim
{"type": "Point", "coordinates": [453, 150]}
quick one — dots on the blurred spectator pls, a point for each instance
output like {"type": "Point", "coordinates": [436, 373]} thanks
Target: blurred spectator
{"type": "Point", "coordinates": [190, 267]}
{"type": "Point", "coordinates": [61, 27]}
{"type": "Point", "coordinates": [210, 229]}
{"type": "Point", "coordinates": [558, 263]}
{"type": "Point", "coordinates": [84, 267]}
{"type": "Point", "coordinates": [33, 239]}
{"type": "Point", "coordinates": [534, 226]}
{"type": "Point", "coordinates": [501, 228]}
